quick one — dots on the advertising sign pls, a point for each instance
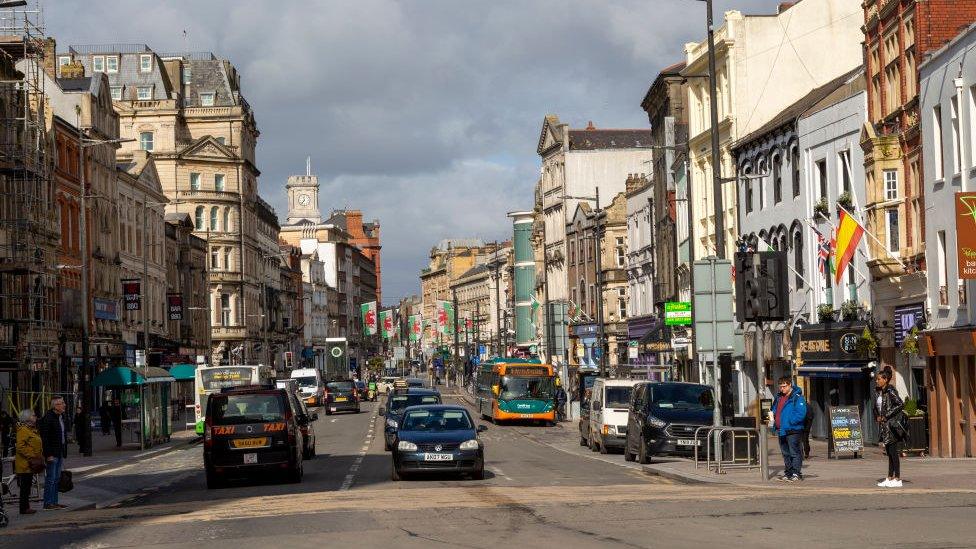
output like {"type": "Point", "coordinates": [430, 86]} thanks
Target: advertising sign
{"type": "Point", "coordinates": [832, 342]}
{"type": "Point", "coordinates": [132, 294]}
{"type": "Point", "coordinates": [677, 313]}
{"type": "Point", "coordinates": [174, 303]}
{"type": "Point", "coordinates": [106, 309]}
{"type": "Point", "coordinates": [906, 318]}
{"type": "Point", "coordinates": [966, 234]}
{"type": "Point", "coordinates": [845, 429]}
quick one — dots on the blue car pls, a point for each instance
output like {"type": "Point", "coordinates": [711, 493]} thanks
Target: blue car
{"type": "Point", "coordinates": [438, 439]}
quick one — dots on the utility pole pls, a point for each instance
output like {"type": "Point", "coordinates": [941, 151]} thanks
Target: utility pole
{"type": "Point", "coordinates": [477, 329]}
{"type": "Point", "coordinates": [457, 355]}
{"type": "Point", "coordinates": [545, 285]}
{"type": "Point", "coordinates": [145, 319]}
{"type": "Point", "coordinates": [498, 304]}
{"type": "Point", "coordinates": [716, 153]}
{"type": "Point", "coordinates": [599, 289]}
{"type": "Point", "coordinates": [84, 381]}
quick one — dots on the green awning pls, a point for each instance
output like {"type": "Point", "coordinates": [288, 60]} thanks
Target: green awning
{"type": "Point", "coordinates": [182, 372]}
{"type": "Point", "coordinates": [122, 376]}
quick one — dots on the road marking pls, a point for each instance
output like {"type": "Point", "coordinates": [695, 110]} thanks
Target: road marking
{"type": "Point", "coordinates": [358, 462]}
{"type": "Point", "coordinates": [497, 471]}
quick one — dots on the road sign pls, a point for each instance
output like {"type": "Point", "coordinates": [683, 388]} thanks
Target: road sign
{"type": "Point", "coordinates": [714, 327]}
{"type": "Point", "coordinates": [677, 313]}
{"type": "Point", "coordinates": [632, 348]}
{"type": "Point", "coordinates": [399, 353]}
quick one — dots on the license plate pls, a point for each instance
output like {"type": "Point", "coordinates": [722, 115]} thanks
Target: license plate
{"type": "Point", "coordinates": [259, 442]}
{"type": "Point", "coordinates": [341, 399]}
{"type": "Point", "coordinates": [438, 457]}
{"type": "Point", "coordinates": [525, 415]}
{"type": "Point", "coordinates": [688, 442]}
{"type": "Point", "coordinates": [250, 458]}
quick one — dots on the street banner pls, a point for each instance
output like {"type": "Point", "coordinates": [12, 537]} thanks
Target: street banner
{"type": "Point", "coordinates": [415, 327]}
{"type": "Point", "coordinates": [174, 303]}
{"type": "Point", "coordinates": [386, 324]}
{"type": "Point", "coordinates": [966, 234]}
{"type": "Point", "coordinates": [445, 317]}
{"type": "Point", "coordinates": [369, 318]}
{"type": "Point", "coordinates": [132, 294]}
{"type": "Point", "coordinates": [849, 233]}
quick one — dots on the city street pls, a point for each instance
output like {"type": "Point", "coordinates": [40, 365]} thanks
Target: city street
{"type": "Point", "coordinates": [534, 494]}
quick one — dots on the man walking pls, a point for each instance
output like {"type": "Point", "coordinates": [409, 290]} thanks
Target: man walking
{"type": "Point", "coordinates": [789, 413]}
{"type": "Point", "coordinates": [560, 402]}
{"type": "Point", "coordinates": [55, 447]}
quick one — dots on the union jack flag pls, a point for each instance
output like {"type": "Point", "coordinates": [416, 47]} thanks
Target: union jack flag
{"type": "Point", "coordinates": [823, 252]}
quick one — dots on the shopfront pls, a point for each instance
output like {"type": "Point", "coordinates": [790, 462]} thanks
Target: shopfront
{"type": "Point", "coordinates": [583, 343]}
{"type": "Point", "coordinates": [834, 370]}
{"type": "Point", "coordinates": [950, 382]}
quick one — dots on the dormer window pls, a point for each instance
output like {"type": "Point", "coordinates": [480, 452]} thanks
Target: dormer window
{"type": "Point", "coordinates": [144, 93]}
{"type": "Point", "coordinates": [98, 63]}
{"type": "Point", "coordinates": [187, 74]}
{"type": "Point", "coordinates": [145, 63]}
{"type": "Point", "coordinates": [112, 63]}
{"type": "Point", "coordinates": [64, 60]}
{"type": "Point", "coordinates": [116, 93]}
{"type": "Point", "coordinates": [207, 99]}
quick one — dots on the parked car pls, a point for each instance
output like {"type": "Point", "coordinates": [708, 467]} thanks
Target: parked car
{"type": "Point", "coordinates": [340, 396]}
{"type": "Point", "coordinates": [664, 417]}
{"type": "Point", "coordinates": [252, 430]}
{"type": "Point", "coordinates": [398, 401]}
{"type": "Point", "coordinates": [418, 382]}
{"type": "Point", "coordinates": [306, 422]}
{"type": "Point", "coordinates": [608, 413]}
{"type": "Point", "coordinates": [438, 438]}
{"type": "Point", "coordinates": [310, 385]}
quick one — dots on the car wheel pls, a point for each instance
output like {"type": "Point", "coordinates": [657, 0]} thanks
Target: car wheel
{"type": "Point", "coordinates": [642, 456]}
{"type": "Point", "coordinates": [583, 440]}
{"type": "Point", "coordinates": [214, 480]}
{"type": "Point", "coordinates": [479, 474]}
{"type": "Point", "coordinates": [387, 446]}
{"type": "Point", "coordinates": [358, 409]}
{"type": "Point", "coordinates": [603, 446]}
{"type": "Point", "coordinates": [296, 473]}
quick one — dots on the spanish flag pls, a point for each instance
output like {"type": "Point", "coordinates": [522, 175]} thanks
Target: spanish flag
{"type": "Point", "coordinates": [849, 233]}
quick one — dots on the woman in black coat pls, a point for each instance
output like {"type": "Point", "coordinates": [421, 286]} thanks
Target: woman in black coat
{"type": "Point", "coordinates": [890, 406]}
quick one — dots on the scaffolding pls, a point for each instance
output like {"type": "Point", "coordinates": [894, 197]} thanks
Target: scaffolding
{"type": "Point", "coordinates": [29, 223]}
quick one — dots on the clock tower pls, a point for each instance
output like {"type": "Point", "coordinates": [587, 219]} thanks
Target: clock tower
{"type": "Point", "coordinates": [303, 197]}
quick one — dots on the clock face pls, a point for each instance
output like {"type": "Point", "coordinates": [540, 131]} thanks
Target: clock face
{"type": "Point", "coordinates": [303, 199]}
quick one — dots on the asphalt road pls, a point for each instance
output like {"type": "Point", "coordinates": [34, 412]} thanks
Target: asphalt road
{"type": "Point", "coordinates": [535, 494]}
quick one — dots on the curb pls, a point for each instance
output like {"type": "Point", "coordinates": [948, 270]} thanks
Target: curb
{"type": "Point", "coordinates": [139, 457]}
{"type": "Point", "coordinates": [679, 477]}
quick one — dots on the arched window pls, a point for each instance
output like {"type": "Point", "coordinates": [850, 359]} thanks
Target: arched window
{"type": "Point", "coordinates": [777, 179]}
{"type": "Point", "coordinates": [798, 258]}
{"type": "Point", "coordinates": [227, 218]}
{"type": "Point", "coordinates": [199, 218]}
{"type": "Point", "coordinates": [227, 266]}
{"type": "Point", "coordinates": [762, 171]}
{"type": "Point", "coordinates": [795, 165]}
{"type": "Point", "coordinates": [748, 188]}
{"type": "Point", "coordinates": [213, 218]}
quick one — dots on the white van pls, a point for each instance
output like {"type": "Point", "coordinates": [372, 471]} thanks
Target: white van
{"type": "Point", "coordinates": [311, 389]}
{"type": "Point", "coordinates": [609, 411]}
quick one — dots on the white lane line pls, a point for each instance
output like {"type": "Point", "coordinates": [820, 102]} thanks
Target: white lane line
{"type": "Point", "coordinates": [350, 477]}
{"type": "Point", "coordinates": [499, 472]}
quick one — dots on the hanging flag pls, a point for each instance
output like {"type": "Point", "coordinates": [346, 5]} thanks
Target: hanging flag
{"type": "Point", "coordinates": [368, 311]}
{"type": "Point", "coordinates": [445, 317]}
{"type": "Point", "coordinates": [414, 325]}
{"type": "Point", "coordinates": [848, 235]}
{"type": "Point", "coordinates": [386, 324]}
{"type": "Point", "coordinates": [823, 252]}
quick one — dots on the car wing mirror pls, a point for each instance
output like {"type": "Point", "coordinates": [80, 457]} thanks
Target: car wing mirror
{"type": "Point", "coordinates": [482, 428]}
{"type": "Point", "coordinates": [382, 411]}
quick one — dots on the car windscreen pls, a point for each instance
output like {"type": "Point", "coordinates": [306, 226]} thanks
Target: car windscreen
{"type": "Point", "coordinates": [399, 402]}
{"type": "Point", "coordinates": [309, 381]}
{"type": "Point", "coordinates": [340, 386]}
{"type": "Point", "coordinates": [527, 388]}
{"type": "Point", "coordinates": [618, 397]}
{"type": "Point", "coordinates": [681, 397]}
{"type": "Point", "coordinates": [237, 409]}
{"type": "Point", "coordinates": [436, 420]}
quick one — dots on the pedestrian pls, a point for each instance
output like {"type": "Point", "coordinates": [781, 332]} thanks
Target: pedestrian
{"type": "Point", "coordinates": [560, 402]}
{"type": "Point", "coordinates": [79, 432]}
{"type": "Point", "coordinates": [29, 457]}
{"type": "Point", "coordinates": [104, 418]}
{"type": "Point", "coordinates": [789, 413]}
{"type": "Point", "coordinates": [6, 429]}
{"type": "Point", "coordinates": [116, 415]}
{"type": "Point", "coordinates": [893, 431]}
{"type": "Point", "coordinates": [54, 443]}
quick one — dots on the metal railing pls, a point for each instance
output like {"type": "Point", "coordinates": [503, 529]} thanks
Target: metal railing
{"type": "Point", "coordinates": [733, 435]}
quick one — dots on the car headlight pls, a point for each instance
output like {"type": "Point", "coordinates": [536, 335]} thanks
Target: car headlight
{"type": "Point", "coordinates": [469, 445]}
{"type": "Point", "coordinates": [406, 446]}
{"type": "Point", "coordinates": [659, 423]}
{"type": "Point", "coordinates": [391, 423]}
{"type": "Point", "coordinates": [609, 429]}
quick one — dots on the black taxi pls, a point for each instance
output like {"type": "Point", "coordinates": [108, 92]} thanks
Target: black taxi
{"type": "Point", "coordinates": [252, 430]}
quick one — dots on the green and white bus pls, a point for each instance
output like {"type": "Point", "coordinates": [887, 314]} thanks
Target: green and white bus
{"type": "Point", "coordinates": [211, 379]}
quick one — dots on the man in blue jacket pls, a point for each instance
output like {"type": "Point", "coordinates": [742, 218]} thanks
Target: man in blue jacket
{"type": "Point", "coordinates": [789, 412]}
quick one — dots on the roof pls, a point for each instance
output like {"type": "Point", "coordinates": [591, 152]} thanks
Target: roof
{"type": "Point", "coordinates": [477, 269]}
{"type": "Point", "coordinates": [75, 84]}
{"type": "Point", "coordinates": [417, 391]}
{"type": "Point", "coordinates": [588, 140]}
{"type": "Point", "coordinates": [793, 112]}
{"type": "Point", "coordinates": [443, 245]}
{"type": "Point", "coordinates": [123, 376]}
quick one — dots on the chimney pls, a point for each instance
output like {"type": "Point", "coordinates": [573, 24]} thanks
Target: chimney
{"type": "Point", "coordinates": [73, 70]}
{"type": "Point", "coordinates": [783, 6]}
{"type": "Point", "coordinates": [590, 125]}
{"type": "Point", "coordinates": [50, 58]}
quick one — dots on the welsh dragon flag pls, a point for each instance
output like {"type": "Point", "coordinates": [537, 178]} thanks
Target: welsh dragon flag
{"type": "Point", "coordinates": [386, 324]}
{"type": "Point", "coordinates": [415, 327]}
{"type": "Point", "coordinates": [368, 311]}
{"type": "Point", "coordinates": [445, 317]}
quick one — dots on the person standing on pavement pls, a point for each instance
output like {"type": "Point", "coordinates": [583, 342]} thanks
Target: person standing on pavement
{"type": "Point", "coordinates": [54, 442]}
{"type": "Point", "coordinates": [560, 402]}
{"type": "Point", "coordinates": [29, 448]}
{"type": "Point", "coordinates": [116, 415]}
{"type": "Point", "coordinates": [890, 416]}
{"type": "Point", "coordinates": [789, 413]}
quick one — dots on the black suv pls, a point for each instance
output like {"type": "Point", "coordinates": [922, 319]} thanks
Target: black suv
{"type": "Point", "coordinates": [252, 430]}
{"type": "Point", "coordinates": [341, 396]}
{"type": "Point", "coordinates": [664, 417]}
{"type": "Point", "coordinates": [396, 402]}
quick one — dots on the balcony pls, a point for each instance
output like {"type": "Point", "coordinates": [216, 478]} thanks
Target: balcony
{"type": "Point", "coordinates": [225, 276]}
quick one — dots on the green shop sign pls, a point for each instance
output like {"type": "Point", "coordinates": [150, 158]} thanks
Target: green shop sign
{"type": "Point", "coordinates": [677, 313]}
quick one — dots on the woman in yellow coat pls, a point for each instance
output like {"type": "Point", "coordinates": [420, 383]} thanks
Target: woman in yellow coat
{"type": "Point", "coordinates": [28, 446]}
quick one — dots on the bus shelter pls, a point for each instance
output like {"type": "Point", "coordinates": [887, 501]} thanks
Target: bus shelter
{"type": "Point", "coordinates": [145, 397]}
{"type": "Point", "coordinates": [181, 397]}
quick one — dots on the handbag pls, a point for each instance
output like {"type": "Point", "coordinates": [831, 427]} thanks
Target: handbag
{"type": "Point", "coordinates": [65, 484]}
{"type": "Point", "coordinates": [899, 428]}
{"type": "Point", "coordinates": [36, 464]}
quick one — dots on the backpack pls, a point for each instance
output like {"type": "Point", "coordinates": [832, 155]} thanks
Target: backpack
{"type": "Point", "coordinates": [65, 483]}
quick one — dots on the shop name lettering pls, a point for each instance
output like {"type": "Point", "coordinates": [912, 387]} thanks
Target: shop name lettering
{"type": "Point", "coordinates": [968, 252]}
{"type": "Point", "coordinates": [815, 346]}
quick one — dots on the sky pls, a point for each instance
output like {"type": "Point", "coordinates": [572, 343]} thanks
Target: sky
{"type": "Point", "coordinates": [425, 114]}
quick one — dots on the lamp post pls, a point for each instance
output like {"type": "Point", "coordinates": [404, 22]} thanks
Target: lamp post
{"type": "Point", "coordinates": [599, 276]}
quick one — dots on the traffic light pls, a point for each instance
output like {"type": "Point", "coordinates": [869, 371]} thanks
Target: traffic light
{"type": "Point", "coordinates": [761, 286]}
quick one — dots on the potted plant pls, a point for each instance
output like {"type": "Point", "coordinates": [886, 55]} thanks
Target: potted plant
{"type": "Point", "coordinates": [909, 347]}
{"type": "Point", "coordinates": [867, 344]}
{"type": "Point", "coordinates": [825, 313]}
{"type": "Point", "coordinates": [846, 201]}
{"type": "Point", "coordinates": [918, 428]}
{"type": "Point", "coordinates": [821, 208]}
{"type": "Point", "coordinates": [850, 310]}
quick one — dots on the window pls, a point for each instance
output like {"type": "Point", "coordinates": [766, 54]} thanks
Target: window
{"type": "Point", "coordinates": [845, 171]}
{"type": "Point", "coordinates": [622, 302]}
{"type": "Point", "coordinates": [145, 62]}
{"type": "Point", "coordinates": [144, 93]}
{"type": "Point", "coordinates": [621, 252]}
{"type": "Point", "coordinates": [798, 258]}
{"type": "Point", "coordinates": [187, 74]}
{"type": "Point", "coordinates": [213, 218]}
{"type": "Point", "coordinates": [116, 93]}
{"type": "Point", "coordinates": [777, 179]}
{"type": "Point", "coordinates": [937, 141]}
{"type": "Point", "coordinates": [572, 254]}
{"type": "Point", "coordinates": [219, 182]}
{"type": "Point", "coordinates": [194, 181]}
{"type": "Point", "coordinates": [943, 270]}
{"type": "Point", "coordinates": [893, 243]}
{"type": "Point", "coordinates": [225, 309]}
{"type": "Point", "coordinates": [198, 218]}
{"type": "Point", "coordinates": [956, 138]}
{"type": "Point", "coordinates": [64, 60]}
{"type": "Point", "coordinates": [226, 219]}
{"type": "Point", "coordinates": [822, 178]}
{"type": "Point", "coordinates": [227, 265]}
{"type": "Point", "coordinates": [763, 172]}
{"type": "Point", "coordinates": [207, 99]}
{"type": "Point", "coordinates": [748, 189]}
{"type": "Point", "coordinates": [221, 140]}
{"type": "Point", "coordinates": [111, 64]}
{"type": "Point", "coordinates": [891, 184]}
{"type": "Point", "coordinates": [98, 63]}
{"type": "Point", "coordinates": [146, 141]}
{"type": "Point", "coordinates": [582, 293]}
{"type": "Point", "coordinates": [593, 299]}
{"type": "Point", "coordinates": [215, 258]}
{"type": "Point", "coordinates": [795, 164]}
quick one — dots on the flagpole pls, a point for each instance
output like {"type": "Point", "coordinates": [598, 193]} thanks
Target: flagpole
{"type": "Point", "coordinates": [869, 233]}
{"type": "Point", "coordinates": [853, 266]}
